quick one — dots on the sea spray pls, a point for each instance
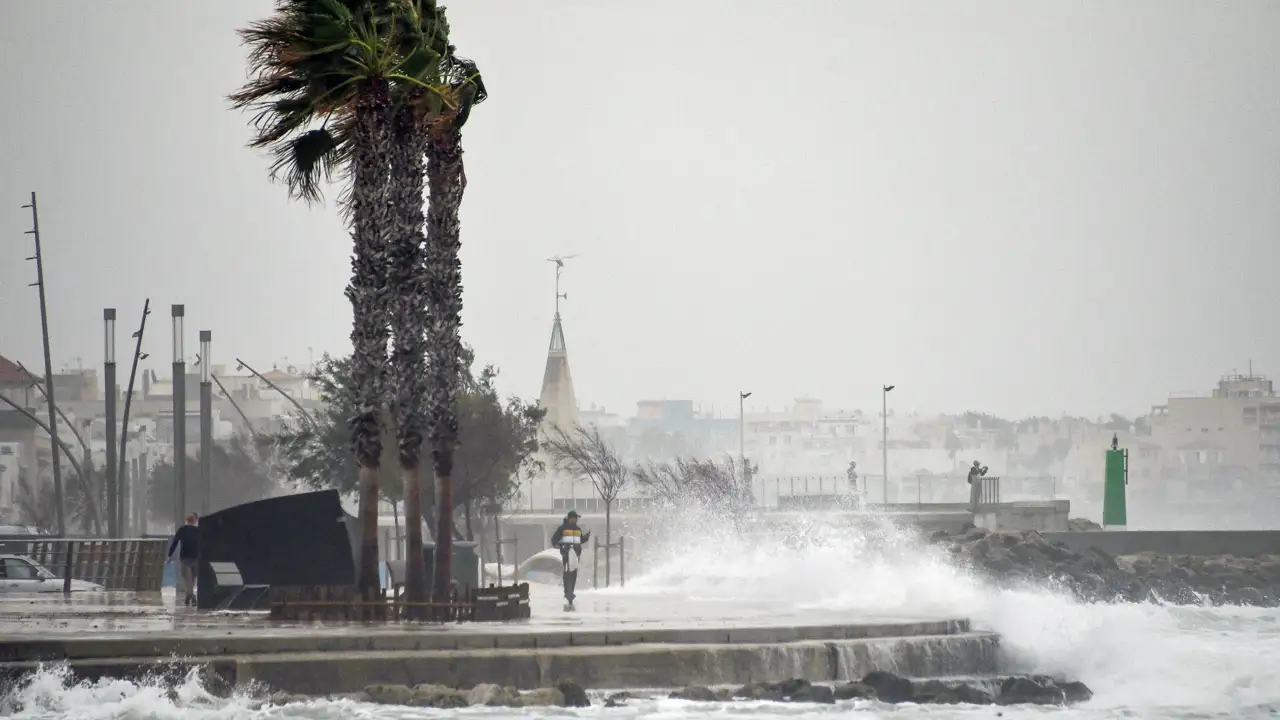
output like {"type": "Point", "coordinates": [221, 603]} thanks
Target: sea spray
{"type": "Point", "coordinates": [53, 693]}
{"type": "Point", "coordinates": [1145, 655]}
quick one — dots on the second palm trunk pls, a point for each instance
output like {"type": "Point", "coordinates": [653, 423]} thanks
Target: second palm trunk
{"type": "Point", "coordinates": [447, 181]}
{"type": "Point", "coordinates": [369, 329]}
{"type": "Point", "coordinates": [411, 319]}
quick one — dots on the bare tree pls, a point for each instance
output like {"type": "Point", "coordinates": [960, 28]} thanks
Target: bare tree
{"type": "Point", "coordinates": [704, 483]}
{"type": "Point", "coordinates": [582, 454]}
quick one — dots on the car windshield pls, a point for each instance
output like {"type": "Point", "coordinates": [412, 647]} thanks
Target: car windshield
{"type": "Point", "coordinates": [42, 571]}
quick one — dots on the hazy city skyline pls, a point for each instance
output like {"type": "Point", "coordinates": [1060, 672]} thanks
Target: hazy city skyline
{"type": "Point", "coordinates": [1010, 208]}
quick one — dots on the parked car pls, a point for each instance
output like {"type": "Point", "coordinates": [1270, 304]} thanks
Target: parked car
{"type": "Point", "coordinates": [544, 568]}
{"type": "Point", "coordinates": [21, 574]}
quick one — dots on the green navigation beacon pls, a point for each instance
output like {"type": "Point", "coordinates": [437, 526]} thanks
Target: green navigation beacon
{"type": "Point", "coordinates": [1114, 512]}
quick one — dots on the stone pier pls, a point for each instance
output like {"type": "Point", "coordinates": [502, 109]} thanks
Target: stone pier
{"type": "Point", "coordinates": [613, 641]}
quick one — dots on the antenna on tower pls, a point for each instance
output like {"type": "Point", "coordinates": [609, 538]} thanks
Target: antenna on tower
{"type": "Point", "coordinates": [559, 261]}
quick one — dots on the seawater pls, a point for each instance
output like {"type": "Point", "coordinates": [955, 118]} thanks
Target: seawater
{"type": "Point", "coordinates": [1141, 660]}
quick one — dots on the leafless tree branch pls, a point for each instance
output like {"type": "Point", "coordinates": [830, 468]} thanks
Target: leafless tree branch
{"type": "Point", "coordinates": [582, 454]}
{"type": "Point", "coordinates": [706, 483]}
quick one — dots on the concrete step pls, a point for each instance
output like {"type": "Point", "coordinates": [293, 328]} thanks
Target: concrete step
{"type": "Point", "coordinates": [249, 640]}
{"type": "Point", "coordinates": [635, 665]}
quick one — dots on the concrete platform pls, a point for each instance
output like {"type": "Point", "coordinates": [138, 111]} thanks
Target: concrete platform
{"type": "Point", "coordinates": [614, 640]}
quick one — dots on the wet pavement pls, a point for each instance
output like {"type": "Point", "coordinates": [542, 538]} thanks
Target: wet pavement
{"type": "Point", "coordinates": [132, 615]}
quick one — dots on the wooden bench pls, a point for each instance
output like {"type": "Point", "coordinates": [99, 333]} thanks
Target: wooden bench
{"type": "Point", "coordinates": [226, 576]}
{"type": "Point", "coordinates": [499, 604]}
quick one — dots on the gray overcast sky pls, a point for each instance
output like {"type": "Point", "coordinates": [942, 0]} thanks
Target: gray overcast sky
{"type": "Point", "coordinates": [1016, 207]}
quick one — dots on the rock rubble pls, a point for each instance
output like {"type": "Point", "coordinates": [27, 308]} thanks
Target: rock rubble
{"type": "Point", "coordinates": [890, 688]}
{"type": "Point", "coordinates": [881, 686]}
{"type": "Point", "coordinates": [1011, 558]}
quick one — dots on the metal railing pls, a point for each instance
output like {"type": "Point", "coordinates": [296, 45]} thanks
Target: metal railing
{"type": "Point", "coordinates": [989, 491]}
{"type": "Point", "coordinates": [619, 545]}
{"type": "Point", "coordinates": [128, 564]}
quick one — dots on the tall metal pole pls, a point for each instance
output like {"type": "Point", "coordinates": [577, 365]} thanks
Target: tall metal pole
{"type": "Point", "coordinates": [178, 313]}
{"type": "Point", "coordinates": [125, 496]}
{"type": "Point", "coordinates": [303, 411]}
{"type": "Point", "coordinates": [234, 404]}
{"type": "Point", "coordinates": [48, 367]}
{"type": "Point", "coordinates": [884, 416]}
{"type": "Point", "coordinates": [742, 434]}
{"type": "Point", "coordinates": [206, 423]}
{"type": "Point", "coordinates": [109, 374]}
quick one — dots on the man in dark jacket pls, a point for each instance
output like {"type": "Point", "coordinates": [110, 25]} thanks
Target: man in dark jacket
{"type": "Point", "coordinates": [187, 542]}
{"type": "Point", "coordinates": [570, 538]}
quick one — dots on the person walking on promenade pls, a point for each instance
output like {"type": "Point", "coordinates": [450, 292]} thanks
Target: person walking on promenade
{"type": "Point", "coordinates": [187, 542]}
{"type": "Point", "coordinates": [570, 538]}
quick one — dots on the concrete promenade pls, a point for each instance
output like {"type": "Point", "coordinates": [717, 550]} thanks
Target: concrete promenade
{"type": "Point", "coordinates": [613, 640]}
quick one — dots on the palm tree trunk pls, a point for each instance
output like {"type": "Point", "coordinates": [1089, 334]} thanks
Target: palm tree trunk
{"type": "Point", "coordinates": [369, 328]}
{"type": "Point", "coordinates": [409, 315]}
{"type": "Point", "coordinates": [395, 518]}
{"type": "Point", "coordinates": [447, 182]}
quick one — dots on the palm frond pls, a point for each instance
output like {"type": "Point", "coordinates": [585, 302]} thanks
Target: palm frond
{"type": "Point", "coordinates": [307, 161]}
{"type": "Point", "coordinates": [310, 61]}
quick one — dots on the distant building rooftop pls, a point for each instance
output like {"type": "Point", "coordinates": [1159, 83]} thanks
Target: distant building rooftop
{"type": "Point", "coordinates": [11, 374]}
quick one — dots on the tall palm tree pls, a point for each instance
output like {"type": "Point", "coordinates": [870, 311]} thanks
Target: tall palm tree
{"type": "Point", "coordinates": [447, 180]}
{"type": "Point", "coordinates": [415, 317]}
{"type": "Point", "coordinates": [408, 355]}
{"type": "Point", "coordinates": [339, 63]}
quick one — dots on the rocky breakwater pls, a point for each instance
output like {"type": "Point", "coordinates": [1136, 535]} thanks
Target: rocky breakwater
{"type": "Point", "coordinates": [876, 686]}
{"type": "Point", "coordinates": [1013, 558]}
{"type": "Point", "coordinates": [889, 688]}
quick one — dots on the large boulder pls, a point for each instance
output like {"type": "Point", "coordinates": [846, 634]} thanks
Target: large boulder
{"type": "Point", "coordinates": [1041, 691]}
{"type": "Point", "coordinates": [574, 694]}
{"type": "Point", "coordinates": [389, 694]}
{"type": "Point", "coordinates": [938, 692]}
{"type": "Point", "coordinates": [490, 695]}
{"type": "Point", "coordinates": [697, 693]}
{"type": "Point", "coordinates": [813, 694]}
{"type": "Point", "coordinates": [889, 688]}
{"type": "Point", "coordinates": [759, 691]}
{"type": "Point", "coordinates": [439, 696]}
{"type": "Point", "coordinates": [542, 697]}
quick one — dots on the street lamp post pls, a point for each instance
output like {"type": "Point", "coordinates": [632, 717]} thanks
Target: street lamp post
{"type": "Point", "coordinates": [884, 416]}
{"type": "Point", "coordinates": [178, 312]}
{"type": "Point", "coordinates": [109, 375]}
{"type": "Point", "coordinates": [742, 435]}
{"type": "Point", "coordinates": [206, 423]}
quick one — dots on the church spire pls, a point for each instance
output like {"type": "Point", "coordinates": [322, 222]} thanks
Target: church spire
{"type": "Point", "coordinates": [557, 396]}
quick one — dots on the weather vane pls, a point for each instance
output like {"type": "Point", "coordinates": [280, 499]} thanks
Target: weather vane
{"type": "Point", "coordinates": [559, 261]}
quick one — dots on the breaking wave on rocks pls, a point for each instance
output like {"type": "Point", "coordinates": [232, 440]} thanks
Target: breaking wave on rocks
{"type": "Point", "coordinates": [1141, 659]}
{"type": "Point", "coordinates": [1136, 657]}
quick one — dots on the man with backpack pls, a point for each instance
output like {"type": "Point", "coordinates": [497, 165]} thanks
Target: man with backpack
{"type": "Point", "coordinates": [570, 538]}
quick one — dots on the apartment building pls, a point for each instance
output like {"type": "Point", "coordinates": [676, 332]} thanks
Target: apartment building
{"type": "Point", "coordinates": [1235, 429]}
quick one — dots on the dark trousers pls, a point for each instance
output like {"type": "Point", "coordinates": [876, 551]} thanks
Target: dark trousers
{"type": "Point", "coordinates": [188, 571]}
{"type": "Point", "coordinates": [570, 582]}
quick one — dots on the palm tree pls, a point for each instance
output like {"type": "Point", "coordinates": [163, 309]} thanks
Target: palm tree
{"type": "Point", "coordinates": [416, 290]}
{"type": "Point", "coordinates": [447, 181]}
{"type": "Point", "coordinates": [338, 63]}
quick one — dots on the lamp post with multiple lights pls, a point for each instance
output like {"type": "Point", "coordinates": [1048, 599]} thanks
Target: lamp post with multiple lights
{"type": "Point", "coordinates": [109, 376]}
{"type": "Point", "coordinates": [884, 416]}
{"type": "Point", "coordinates": [206, 422]}
{"type": "Point", "coordinates": [178, 313]}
